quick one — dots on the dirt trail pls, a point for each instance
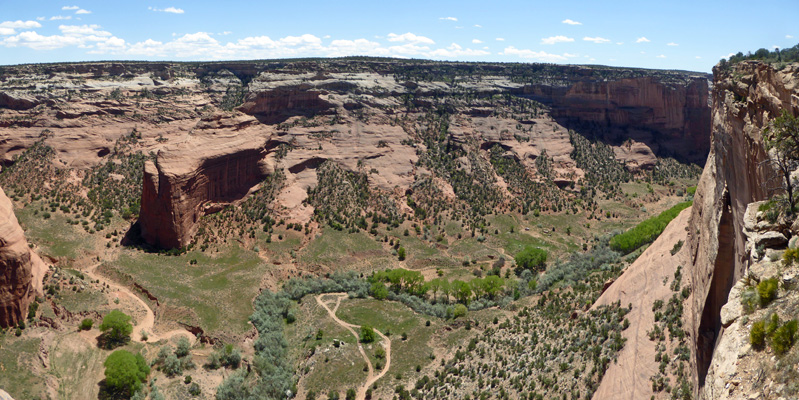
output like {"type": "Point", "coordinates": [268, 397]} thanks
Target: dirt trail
{"type": "Point", "coordinates": [145, 324]}
{"type": "Point", "coordinates": [371, 377]}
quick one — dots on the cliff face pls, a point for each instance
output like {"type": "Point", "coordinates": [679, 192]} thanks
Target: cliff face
{"type": "Point", "coordinates": [21, 270]}
{"type": "Point", "coordinates": [196, 177]}
{"type": "Point", "coordinates": [672, 119]}
{"type": "Point", "coordinates": [715, 255]}
{"type": "Point", "coordinates": [745, 99]}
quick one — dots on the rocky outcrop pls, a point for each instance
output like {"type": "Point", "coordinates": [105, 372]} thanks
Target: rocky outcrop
{"type": "Point", "coordinates": [672, 119]}
{"type": "Point", "coordinates": [284, 102]}
{"type": "Point", "coordinates": [744, 100]}
{"type": "Point", "coordinates": [197, 176]}
{"type": "Point", "coordinates": [21, 270]}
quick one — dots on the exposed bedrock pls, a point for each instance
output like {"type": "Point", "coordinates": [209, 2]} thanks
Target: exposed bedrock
{"type": "Point", "coordinates": [745, 99]}
{"type": "Point", "coordinates": [190, 179]}
{"type": "Point", "coordinates": [672, 119]}
{"type": "Point", "coordinates": [21, 270]}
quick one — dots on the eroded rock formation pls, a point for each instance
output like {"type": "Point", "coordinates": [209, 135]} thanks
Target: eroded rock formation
{"type": "Point", "coordinates": [671, 118]}
{"type": "Point", "coordinates": [196, 177]}
{"type": "Point", "coordinates": [21, 270]}
{"type": "Point", "coordinates": [715, 256]}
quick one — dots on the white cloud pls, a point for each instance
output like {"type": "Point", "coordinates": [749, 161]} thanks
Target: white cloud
{"type": "Point", "coordinates": [789, 36]}
{"type": "Point", "coordinates": [570, 22]}
{"type": "Point", "coordinates": [455, 50]}
{"type": "Point", "coordinates": [478, 26]}
{"type": "Point", "coordinates": [556, 39]}
{"type": "Point", "coordinates": [567, 55]}
{"type": "Point", "coordinates": [410, 38]}
{"type": "Point", "coordinates": [449, 18]}
{"type": "Point", "coordinates": [82, 36]}
{"type": "Point", "coordinates": [8, 28]}
{"type": "Point", "coordinates": [20, 24]}
{"type": "Point", "coordinates": [40, 18]}
{"type": "Point", "coordinates": [661, 56]}
{"type": "Point", "coordinates": [642, 39]}
{"type": "Point", "coordinates": [698, 57]}
{"type": "Point", "coordinates": [70, 8]}
{"type": "Point", "coordinates": [60, 17]}
{"type": "Point", "coordinates": [225, 33]}
{"type": "Point", "coordinates": [596, 39]}
{"type": "Point", "coordinates": [672, 44]}
{"type": "Point", "coordinates": [477, 41]}
{"type": "Point", "coordinates": [171, 10]}
{"type": "Point", "coordinates": [82, 11]}
{"type": "Point", "coordinates": [499, 39]}
{"type": "Point", "coordinates": [619, 43]}
{"type": "Point", "coordinates": [535, 55]}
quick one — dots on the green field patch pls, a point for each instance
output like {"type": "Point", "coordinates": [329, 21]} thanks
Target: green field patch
{"type": "Point", "coordinates": [18, 377]}
{"type": "Point", "coordinates": [54, 235]}
{"type": "Point", "coordinates": [218, 289]}
{"type": "Point", "coordinates": [336, 248]}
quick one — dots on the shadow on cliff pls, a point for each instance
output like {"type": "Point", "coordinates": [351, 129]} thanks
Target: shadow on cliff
{"type": "Point", "coordinates": [133, 239]}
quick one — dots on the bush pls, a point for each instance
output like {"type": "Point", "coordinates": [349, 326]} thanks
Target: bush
{"type": "Point", "coordinates": [86, 324]}
{"type": "Point", "coordinates": [749, 300]}
{"type": "Point", "coordinates": [125, 373]}
{"type": "Point", "coordinates": [367, 334]}
{"type": "Point", "coordinates": [757, 335]}
{"type": "Point", "coordinates": [459, 311]}
{"type": "Point", "coordinates": [784, 337]}
{"type": "Point", "coordinates": [172, 366]}
{"type": "Point", "coordinates": [532, 258]}
{"type": "Point", "coordinates": [790, 257]}
{"type": "Point", "coordinates": [647, 231]}
{"type": "Point", "coordinates": [767, 291]}
{"type": "Point", "coordinates": [183, 347]}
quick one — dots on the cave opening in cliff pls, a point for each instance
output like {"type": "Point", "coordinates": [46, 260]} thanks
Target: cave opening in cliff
{"type": "Point", "coordinates": [720, 285]}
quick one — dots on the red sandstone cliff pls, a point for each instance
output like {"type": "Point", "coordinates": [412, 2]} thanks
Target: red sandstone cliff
{"type": "Point", "coordinates": [673, 119]}
{"type": "Point", "coordinates": [188, 179]}
{"type": "Point", "coordinates": [714, 257]}
{"type": "Point", "coordinates": [21, 270]}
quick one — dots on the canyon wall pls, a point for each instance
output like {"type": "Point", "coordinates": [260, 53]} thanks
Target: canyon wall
{"type": "Point", "coordinates": [671, 118]}
{"type": "Point", "coordinates": [196, 177]}
{"type": "Point", "coordinates": [745, 98]}
{"type": "Point", "coordinates": [21, 270]}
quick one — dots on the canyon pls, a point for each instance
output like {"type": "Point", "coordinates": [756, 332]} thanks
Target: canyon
{"type": "Point", "coordinates": [214, 135]}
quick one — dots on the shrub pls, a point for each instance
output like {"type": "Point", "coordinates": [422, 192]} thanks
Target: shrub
{"type": "Point", "coordinates": [531, 258]}
{"type": "Point", "coordinates": [86, 324]}
{"type": "Point", "coordinates": [790, 257]}
{"type": "Point", "coordinates": [183, 347]}
{"type": "Point", "coordinates": [749, 300]}
{"type": "Point", "coordinates": [767, 291]}
{"type": "Point", "coordinates": [647, 231]}
{"type": "Point", "coordinates": [459, 311]}
{"type": "Point", "coordinates": [367, 334]}
{"type": "Point", "coordinates": [401, 253]}
{"type": "Point", "coordinates": [757, 334]}
{"type": "Point", "coordinates": [172, 366]}
{"type": "Point", "coordinates": [784, 337]}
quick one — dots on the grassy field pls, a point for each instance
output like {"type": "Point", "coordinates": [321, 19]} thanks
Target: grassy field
{"type": "Point", "coordinates": [217, 290]}
{"type": "Point", "coordinates": [18, 356]}
{"type": "Point", "coordinates": [54, 235]}
{"type": "Point", "coordinates": [339, 248]}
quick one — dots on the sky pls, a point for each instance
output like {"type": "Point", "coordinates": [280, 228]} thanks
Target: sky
{"type": "Point", "coordinates": [687, 35]}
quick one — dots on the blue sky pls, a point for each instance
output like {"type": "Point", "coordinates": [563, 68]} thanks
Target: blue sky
{"type": "Point", "coordinates": [690, 35]}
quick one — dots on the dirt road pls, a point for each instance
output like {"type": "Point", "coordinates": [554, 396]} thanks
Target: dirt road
{"type": "Point", "coordinates": [371, 377]}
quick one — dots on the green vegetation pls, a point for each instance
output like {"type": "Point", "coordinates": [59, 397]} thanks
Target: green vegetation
{"type": "Point", "coordinates": [647, 231]}
{"type": "Point", "coordinates": [367, 334]}
{"type": "Point", "coordinates": [780, 56]}
{"type": "Point", "coordinates": [757, 334]}
{"type": "Point", "coordinates": [531, 258]}
{"type": "Point", "coordinates": [116, 328]}
{"type": "Point", "coordinates": [125, 373]}
{"type": "Point", "coordinates": [782, 135]}
{"type": "Point", "coordinates": [767, 291]}
{"type": "Point", "coordinates": [86, 324]}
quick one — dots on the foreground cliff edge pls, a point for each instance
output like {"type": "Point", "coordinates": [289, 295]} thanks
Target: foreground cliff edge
{"type": "Point", "coordinates": [715, 256]}
{"type": "Point", "coordinates": [21, 270]}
